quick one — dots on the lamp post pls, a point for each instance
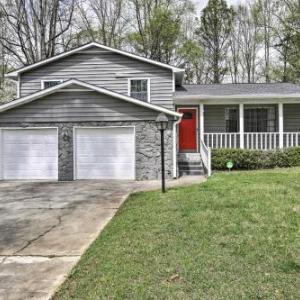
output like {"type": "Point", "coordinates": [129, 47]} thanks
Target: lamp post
{"type": "Point", "coordinates": [162, 124]}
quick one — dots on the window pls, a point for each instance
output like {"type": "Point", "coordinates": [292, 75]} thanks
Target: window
{"type": "Point", "coordinates": [139, 89]}
{"type": "Point", "coordinates": [231, 119]}
{"type": "Point", "coordinates": [260, 119]}
{"type": "Point", "coordinates": [187, 116]}
{"type": "Point", "coordinates": [50, 83]}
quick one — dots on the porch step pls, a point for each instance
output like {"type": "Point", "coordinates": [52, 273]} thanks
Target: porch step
{"type": "Point", "coordinates": [191, 173]}
{"type": "Point", "coordinates": [190, 164]}
{"type": "Point", "coordinates": [189, 157]}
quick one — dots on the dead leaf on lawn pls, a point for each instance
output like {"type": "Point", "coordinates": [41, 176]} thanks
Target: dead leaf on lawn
{"type": "Point", "coordinates": [173, 278]}
{"type": "Point", "coordinates": [296, 208]}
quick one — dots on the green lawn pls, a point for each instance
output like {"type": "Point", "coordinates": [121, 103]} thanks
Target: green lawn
{"type": "Point", "coordinates": [233, 237]}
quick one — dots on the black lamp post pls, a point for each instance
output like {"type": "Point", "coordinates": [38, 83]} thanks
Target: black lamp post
{"type": "Point", "coordinates": [162, 124]}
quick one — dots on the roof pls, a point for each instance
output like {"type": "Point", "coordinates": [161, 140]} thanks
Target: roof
{"type": "Point", "coordinates": [238, 89]}
{"type": "Point", "coordinates": [14, 74]}
{"type": "Point", "coordinates": [51, 90]}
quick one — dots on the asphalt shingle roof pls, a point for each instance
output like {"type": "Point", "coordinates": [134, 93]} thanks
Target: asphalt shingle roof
{"type": "Point", "coordinates": [237, 89]}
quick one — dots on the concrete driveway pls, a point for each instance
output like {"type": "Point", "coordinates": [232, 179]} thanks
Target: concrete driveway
{"type": "Point", "coordinates": [46, 226]}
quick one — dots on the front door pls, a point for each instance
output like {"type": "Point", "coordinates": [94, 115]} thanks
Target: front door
{"type": "Point", "coordinates": [188, 130]}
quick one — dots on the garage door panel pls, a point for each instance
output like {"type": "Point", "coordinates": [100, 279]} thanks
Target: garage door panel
{"type": "Point", "coordinates": [32, 165]}
{"type": "Point", "coordinates": [105, 149]}
{"type": "Point", "coordinates": [105, 153]}
{"type": "Point", "coordinates": [31, 149]}
{"type": "Point", "coordinates": [33, 136]}
{"type": "Point", "coordinates": [105, 159]}
{"type": "Point", "coordinates": [117, 139]}
{"type": "Point", "coordinates": [30, 160]}
{"type": "Point", "coordinates": [23, 175]}
{"type": "Point", "coordinates": [105, 132]}
{"type": "Point", "coordinates": [29, 154]}
{"type": "Point", "coordinates": [104, 171]}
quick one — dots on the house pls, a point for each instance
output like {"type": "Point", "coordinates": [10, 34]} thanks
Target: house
{"type": "Point", "coordinates": [89, 113]}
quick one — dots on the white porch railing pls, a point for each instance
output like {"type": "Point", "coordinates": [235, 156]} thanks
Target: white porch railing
{"type": "Point", "coordinates": [291, 139]}
{"type": "Point", "coordinates": [222, 140]}
{"type": "Point", "coordinates": [261, 140]}
{"type": "Point", "coordinates": [252, 140]}
{"type": "Point", "coordinates": [206, 156]}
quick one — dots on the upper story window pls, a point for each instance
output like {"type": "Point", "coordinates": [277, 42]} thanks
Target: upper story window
{"type": "Point", "coordinates": [231, 119]}
{"type": "Point", "coordinates": [49, 83]}
{"type": "Point", "coordinates": [139, 89]}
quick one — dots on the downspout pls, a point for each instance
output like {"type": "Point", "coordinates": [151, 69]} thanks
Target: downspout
{"type": "Point", "coordinates": [175, 146]}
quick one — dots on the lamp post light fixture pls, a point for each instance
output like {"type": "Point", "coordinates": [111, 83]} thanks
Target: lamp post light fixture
{"type": "Point", "coordinates": [162, 124]}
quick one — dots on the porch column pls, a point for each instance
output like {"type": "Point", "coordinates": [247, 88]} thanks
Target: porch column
{"type": "Point", "coordinates": [201, 121]}
{"type": "Point", "coordinates": [280, 124]}
{"type": "Point", "coordinates": [241, 115]}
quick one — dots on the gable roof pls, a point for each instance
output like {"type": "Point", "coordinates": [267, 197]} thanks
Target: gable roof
{"type": "Point", "coordinates": [239, 90]}
{"type": "Point", "coordinates": [71, 82]}
{"type": "Point", "coordinates": [14, 74]}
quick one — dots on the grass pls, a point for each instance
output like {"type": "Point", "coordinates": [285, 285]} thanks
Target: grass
{"type": "Point", "coordinates": [233, 237]}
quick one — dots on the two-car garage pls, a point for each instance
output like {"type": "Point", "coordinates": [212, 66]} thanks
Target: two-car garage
{"type": "Point", "coordinates": [99, 153]}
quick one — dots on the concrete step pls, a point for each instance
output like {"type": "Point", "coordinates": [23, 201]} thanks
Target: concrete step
{"type": "Point", "coordinates": [188, 163]}
{"type": "Point", "coordinates": [189, 157]}
{"type": "Point", "coordinates": [190, 168]}
{"type": "Point", "coordinates": [191, 173]}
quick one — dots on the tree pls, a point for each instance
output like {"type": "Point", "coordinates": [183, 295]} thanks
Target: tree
{"type": "Point", "coordinates": [234, 57]}
{"type": "Point", "coordinates": [104, 21]}
{"type": "Point", "coordinates": [34, 27]}
{"type": "Point", "coordinates": [193, 60]}
{"type": "Point", "coordinates": [266, 21]}
{"type": "Point", "coordinates": [157, 27]}
{"type": "Point", "coordinates": [287, 34]}
{"type": "Point", "coordinates": [159, 36]}
{"type": "Point", "coordinates": [250, 41]}
{"type": "Point", "coordinates": [214, 32]}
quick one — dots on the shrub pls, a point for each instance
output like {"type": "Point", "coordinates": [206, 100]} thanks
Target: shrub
{"type": "Point", "coordinates": [244, 159]}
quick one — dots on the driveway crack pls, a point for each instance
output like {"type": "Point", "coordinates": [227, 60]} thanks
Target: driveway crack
{"type": "Point", "coordinates": [39, 236]}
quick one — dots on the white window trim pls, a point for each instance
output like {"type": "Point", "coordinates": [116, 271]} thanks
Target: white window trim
{"type": "Point", "coordinates": [49, 80]}
{"type": "Point", "coordinates": [148, 87]}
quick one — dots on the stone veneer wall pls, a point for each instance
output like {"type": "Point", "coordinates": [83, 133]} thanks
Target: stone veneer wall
{"type": "Point", "coordinates": [147, 147]}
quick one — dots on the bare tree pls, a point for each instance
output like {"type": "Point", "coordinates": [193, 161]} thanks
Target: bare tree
{"type": "Point", "coordinates": [34, 27]}
{"type": "Point", "coordinates": [235, 50]}
{"type": "Point", "coordinates": [104, 21]}
{"type": "Point", "coordinates": [250, 39]}
{"type": "Point", "coordinates": [266, 19]}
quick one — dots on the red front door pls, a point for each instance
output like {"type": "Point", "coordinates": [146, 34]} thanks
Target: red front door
{"type": "Point", "coordinates": [188, 130]}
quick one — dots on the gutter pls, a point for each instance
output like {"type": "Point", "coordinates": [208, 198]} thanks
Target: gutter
{"type": "Point", "coordinates": [236, 97]}
{"type": "Point", "coordinates": [175, 146]}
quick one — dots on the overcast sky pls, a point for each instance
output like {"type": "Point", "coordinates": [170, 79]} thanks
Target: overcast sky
{"type": "Point", "coordinates": [201, 3]}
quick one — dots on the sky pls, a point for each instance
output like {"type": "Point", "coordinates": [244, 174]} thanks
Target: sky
{"type": "Point", "coordinates": [201, 3]}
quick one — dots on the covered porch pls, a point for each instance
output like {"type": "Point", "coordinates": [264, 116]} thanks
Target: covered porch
{"type": "Point", "coordinates": [248, 126]}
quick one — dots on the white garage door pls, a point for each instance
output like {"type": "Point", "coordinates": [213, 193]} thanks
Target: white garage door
{"type": "Point", "coordinates": [105, 153]}
{"type": "Point", "coordinates": [29, 154]}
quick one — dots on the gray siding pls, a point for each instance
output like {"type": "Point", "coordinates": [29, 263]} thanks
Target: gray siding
{"type": "Point", "coordinates": [103, 69]}
{"type": "Point", "coordinates": [79, 107]}
{"type": "Point", "coordinates": [214, 118]}
{"type": "Point", "coordinates": [291, 117]}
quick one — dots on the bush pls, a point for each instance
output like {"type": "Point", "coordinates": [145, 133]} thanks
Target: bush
{"type": "Point", "coordinates": [244, 159]}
